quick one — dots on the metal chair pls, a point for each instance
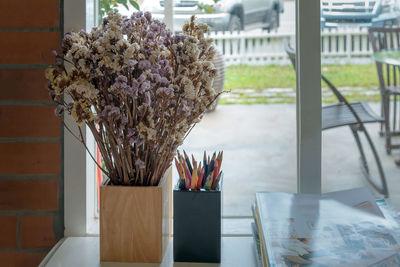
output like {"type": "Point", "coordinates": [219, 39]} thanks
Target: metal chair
{"type": "Point", "coordinates": [389, 85]}
{"type": "Point", "coordinates": [354, 115]}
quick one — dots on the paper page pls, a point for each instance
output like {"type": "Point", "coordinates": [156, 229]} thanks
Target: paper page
{"type": "Point", "coordinates": [335, 229]}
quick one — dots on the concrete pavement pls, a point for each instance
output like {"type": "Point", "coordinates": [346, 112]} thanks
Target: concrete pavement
{"type": "Point", "coordinates": [259, 144]}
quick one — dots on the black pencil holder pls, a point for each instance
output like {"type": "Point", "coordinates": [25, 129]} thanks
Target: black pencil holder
{"type": "Point", "coordinates": [197, 226]}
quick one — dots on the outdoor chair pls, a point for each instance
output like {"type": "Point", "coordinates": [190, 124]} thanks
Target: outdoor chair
{"type": "Point", "coordinates": [354, 115]}
{"type": "Point", "coordinates": [389, 85]}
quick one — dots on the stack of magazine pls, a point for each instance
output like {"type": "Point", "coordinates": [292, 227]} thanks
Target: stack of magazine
{"type": "Point", "coordinates": [345, 228]}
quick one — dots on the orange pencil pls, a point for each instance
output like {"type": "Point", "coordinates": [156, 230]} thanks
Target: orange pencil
{"type": "Point", "coordinates": [182, 173]}
{"type": "Point", "coordinates": [219, 159]}
{"type": "Point", "coordinates": [194, 176]}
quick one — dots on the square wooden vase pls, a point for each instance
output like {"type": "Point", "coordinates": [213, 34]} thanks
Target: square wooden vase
{"type": "Point", "coordinates": [135, 221]}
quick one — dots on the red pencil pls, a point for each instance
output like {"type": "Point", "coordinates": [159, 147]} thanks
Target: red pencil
{"type": "Point", "coordinates": [216, 168]}
{"type": "Point", "coordinates": [200, 181]}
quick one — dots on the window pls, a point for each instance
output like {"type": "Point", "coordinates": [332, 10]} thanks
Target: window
{"type": "Point", "coordinates": [80, 195]}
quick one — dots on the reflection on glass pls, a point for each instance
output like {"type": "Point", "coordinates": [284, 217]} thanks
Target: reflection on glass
{"type": "Point", "coordinates": [222, 15]}
{"type": "Point", "coordinates": [253, 123]}
{"type": "Point", "coordinates": [358, 13]}
{"type": "Point", "coordinates": [346, 57]}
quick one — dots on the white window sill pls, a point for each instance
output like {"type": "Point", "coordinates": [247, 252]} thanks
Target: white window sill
{"type": "Point", "coordinates": [84, 251]}
{"type": "Point", "coordinates": [231, 226]}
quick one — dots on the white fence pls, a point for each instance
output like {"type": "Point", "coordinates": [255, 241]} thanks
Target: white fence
{"type": "Point", "coordinates": [338, 46]}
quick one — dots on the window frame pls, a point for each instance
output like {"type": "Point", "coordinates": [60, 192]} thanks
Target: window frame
{"type": "Point", "coordinates": [79, 208]}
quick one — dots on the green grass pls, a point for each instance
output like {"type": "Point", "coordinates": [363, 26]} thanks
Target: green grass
{"type": "Point", "coordinates": [362, 77]}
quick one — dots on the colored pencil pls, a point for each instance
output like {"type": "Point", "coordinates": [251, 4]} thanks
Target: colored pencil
{"type": "Point", "coordinates": [188, 162]}
{"type": "Point", "coordinates": [216, 168]}
{"type": "Point", "coordinates": [216, 182]}
{"type": "Point", "coordinates": [200, 182]}
{"type": "Point", "coordinates": [194, 175]}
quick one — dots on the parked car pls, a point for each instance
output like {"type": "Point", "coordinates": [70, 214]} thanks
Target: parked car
{"type": "Point", "coordinates": [221, 15]}
{"type": "Point", "coordinates": [359, 13]}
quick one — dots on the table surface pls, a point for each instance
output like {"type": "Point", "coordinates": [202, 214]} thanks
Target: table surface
{"type": "Point", "coordinates": [391, 57]}
{"type": "Point", "coordinates": [84, 251]}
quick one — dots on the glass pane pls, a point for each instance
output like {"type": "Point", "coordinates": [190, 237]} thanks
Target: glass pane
{"type": "Point", "coordinates": [254, 122]}
{"type": "Point", "coordinates": [348, 65]}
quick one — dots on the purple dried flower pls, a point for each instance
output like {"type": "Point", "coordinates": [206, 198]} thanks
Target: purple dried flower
{"type": "Point", "coordinates": [150, 36]}
{"type": "Point", "coordinates": [59, 61]}
{"type": "Point", "coordinates": [142, 78]}
{"type": "Point", "coordinates": [132, 62]}
{"type": "Point", "coordinates": [139, 14]}
{"type": "Point", "coordinates": [140, 164]}
{"type": "Point", "coordinates": [121, 79]}
{"type": "Point", "coordinates": [115, 112]}
{"type": "Point", "coordinates": [48, 85]}
{"type": "Point", "coordinates": [124, 121]}
{"type": "Point", "coordinates": [144, 87]}
{"type": "Point", "coordinates": [137, 96]}
{"type": "Point", "coordinates": [83, 34]}
{"type": "Point", "coordinates": [147, 98]}
{"type": "Point", "coordinates": [131, 132]}
{"type": "Point", "coordinates": [154, 27]}
{"type": "Point", "coordinates": [134, 92]}
{"type": "Point", "coordinates": [164, 81]}
{"type": "Point", "coordinates": [144, 65]}
{"type": "Point", "coordinates": [134, 139]}
{"type": "Point", "coordinates": [166, 90]}
{"type": "Point", "coordinates": [147, 15]}
{"type": "Point", "coordinates": [186, 107]}
{"type": "Point", "coordinates": [59, 110]}
{"type": "Point", "coordinates": [110, 113]}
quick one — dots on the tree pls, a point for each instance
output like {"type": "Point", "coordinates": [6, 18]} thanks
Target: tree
{"type": "Point", "coordinates": [106, 6]}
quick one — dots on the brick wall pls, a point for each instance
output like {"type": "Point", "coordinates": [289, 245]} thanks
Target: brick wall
{"type": "Point", "coordinates": [31, 136]}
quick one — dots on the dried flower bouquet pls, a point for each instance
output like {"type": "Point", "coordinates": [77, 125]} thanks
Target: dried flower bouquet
{"type": "Point", "coordinates": [139, 88]}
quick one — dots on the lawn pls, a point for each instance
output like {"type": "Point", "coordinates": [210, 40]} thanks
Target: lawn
{"type": "Point", "coordinates": [276, 84]}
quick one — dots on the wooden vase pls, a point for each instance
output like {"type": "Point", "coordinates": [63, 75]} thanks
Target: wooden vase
{"type": "Point", "coordinates": [135, 221]}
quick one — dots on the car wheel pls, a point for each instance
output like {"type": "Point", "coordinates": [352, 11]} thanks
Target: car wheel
{"type": "Point", "coordinates": [235, 24]}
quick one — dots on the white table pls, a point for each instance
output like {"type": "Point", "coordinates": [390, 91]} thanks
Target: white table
{"type": "Point", "coordinates": [84, 252]}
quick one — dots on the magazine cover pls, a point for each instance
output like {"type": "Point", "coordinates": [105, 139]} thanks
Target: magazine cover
{"type": "Point", "coordinates": [320, 230]}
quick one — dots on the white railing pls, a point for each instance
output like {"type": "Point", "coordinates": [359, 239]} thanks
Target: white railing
{"type": "Point", "coordinates": [339, 46]}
